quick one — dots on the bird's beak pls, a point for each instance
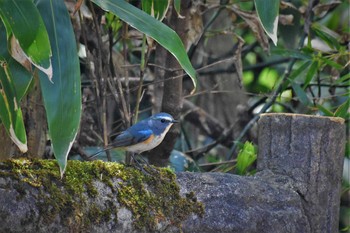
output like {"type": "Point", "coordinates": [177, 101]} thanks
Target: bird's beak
{"type": "Point", "coordinates": [175, 121]}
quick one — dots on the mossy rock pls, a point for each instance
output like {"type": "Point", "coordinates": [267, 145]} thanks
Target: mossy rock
{"type": "Point", "coordinates": [95, 193]}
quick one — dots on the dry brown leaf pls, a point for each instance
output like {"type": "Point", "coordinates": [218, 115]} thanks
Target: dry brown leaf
{"type": "Point", "coordinates": [321, 10]}
{"type": "Point", "coordinates": [195, 27]}
{"type": "Point", "coordinates": [18, 54]}
{"type": "Point", "coordinates": [77, 6]}
{"type": "Point", "coordinates": [253, 22]}
{"type": "Point", "coordinates": [286, 19]}
{"type": "Point", "coordinates": [285, 5]}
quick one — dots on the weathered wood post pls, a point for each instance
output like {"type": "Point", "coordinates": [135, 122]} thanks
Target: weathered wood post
{"type": "Point", "coordinates": [310, 150]}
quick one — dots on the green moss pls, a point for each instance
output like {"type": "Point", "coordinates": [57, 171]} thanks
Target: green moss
{"type": "Point", "coordinates": [151, 198]}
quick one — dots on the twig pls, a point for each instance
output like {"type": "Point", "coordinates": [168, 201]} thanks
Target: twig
{"type": "Point", "coordinates": [121, 101]}
{"type": "Point", "coordinates": [273, 98]}
{"type": "Point", "coordinates": [103, 81]}
{"type": "Point", "coordinates": [206, 27]}
{"type": "Point", "coordinates": [217, 163]}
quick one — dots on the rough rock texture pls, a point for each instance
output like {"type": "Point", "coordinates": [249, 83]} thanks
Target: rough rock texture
{"type": "Point", "coordinates": [264, 203]}
{"type": "Point", "coordinates": [297, 190]}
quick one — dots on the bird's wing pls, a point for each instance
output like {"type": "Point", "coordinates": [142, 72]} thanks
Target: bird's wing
{"type": "Point", "coordinates": [130, 137]}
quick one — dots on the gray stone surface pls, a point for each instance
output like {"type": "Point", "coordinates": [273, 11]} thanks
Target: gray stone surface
{"type": "Point", "coordinates": [296, 190]}
{"type": "Point", "coordinates": [264, 203]}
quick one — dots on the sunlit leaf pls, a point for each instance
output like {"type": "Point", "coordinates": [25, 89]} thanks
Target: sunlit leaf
{"type": "Point", "coordinates": [268, 15]}
{"type": "Point", "coordinates": [27, 34]}
{"type": "Point", "coordinates": [268, 78]}
{"type": "Point", "coordinates": [245, 158]}
{"type": "Point", "coordinates": [62, 98]}
{"type": "Point", "coordinates": [145, 23]}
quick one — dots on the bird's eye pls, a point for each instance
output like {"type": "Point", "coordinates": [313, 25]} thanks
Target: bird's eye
{"type": "Point", "coordinates": [163, 120]}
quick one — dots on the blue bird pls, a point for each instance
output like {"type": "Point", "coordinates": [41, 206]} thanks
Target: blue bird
{"type": "Point", "coordinates": [144, 135]}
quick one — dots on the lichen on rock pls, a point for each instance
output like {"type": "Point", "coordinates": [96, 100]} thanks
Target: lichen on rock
{"type": "Point", "coordinates": [92, 193]}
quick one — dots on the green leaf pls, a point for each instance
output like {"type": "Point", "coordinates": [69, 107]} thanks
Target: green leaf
{"type": "Point", "coordinates": [343, 110]}
{"type": "Point", "coordinates": [326, 35]}
{"type": "Point", "coordinates": [268, 78]}
{"type": "Point", "coordinates": [62, 97]}
{"type": "Point", "coordinates": [300, 93]}
{"type": "Point", "coordinates": [177, 5]}
{"type": "Point", "coordinates": [296, 73]}
{"type": "Point", "coordinates": [157, 9]}
{"type": "Point", "coordinates": [345, 79]}
{"type": "Point", "coordinates": [10, 111]}
{"type": "Point", "coordinates": [331, 63]}
{"type": "Point", "coordinates": [245, 158]}
{"type": "Point", "coordinates": [292, 54]}
{"type": "Point", "coordinates": [310, 74]}
{"type": "Point", "coordinates": [22, 79]}
{"type": "Point", "coordinates": [145, 23]}
{"type": "Point", "coordinates": [26, 33]}
{"type": "Point", "coordinates": [20, 76]}
{"type": "Point", "coordinates": [268, 15]}
{"type": "Point", "coordinates": [325, 111]}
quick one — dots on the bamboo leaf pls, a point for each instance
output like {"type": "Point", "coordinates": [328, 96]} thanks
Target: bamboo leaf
{"type": "Point", "coordinates": [345, 79]}
{"type": "Point", "coordinates": [26, 34]}
{"type": "Point", "coordinates": [296, 73]}
{"type": "Point", "coordinates": [177, 5]}
{"type": "Point", "coordinates": [301, 94]}
{"type": "Point", "coordinates": [62, 98]}
{"type": "Point", "coordinates": [145, 23]}
{"type": "Point", "coordinates": [325, 111]}
{"type": "Point", "coordinates": [157, 9]}
{"type": "Point", "coordinates": [10, 111]}
{"type": "Point", "coordinates": [331, 63]}
{"type": "Point", "coordinates": [268, 15]}
{"type": "Point", "coordinates": [293, 54]}
{"type": "Point", "coordinates": [20, 76]}
{"type": "Point", "coordinates": [343, 110]}
{"type": "Point", "coordinates": [245, 158]}
{"type": "Point", "coordinates": [310, 74]}
{"type": "Point", "coordinates": [326, 35]}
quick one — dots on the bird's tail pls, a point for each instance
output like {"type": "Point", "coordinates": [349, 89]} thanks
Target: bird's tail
{"type": "Point", "coordinates": [100, 151]}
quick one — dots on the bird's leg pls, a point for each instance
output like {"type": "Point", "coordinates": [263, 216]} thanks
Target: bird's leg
{"type": "Point", "coordinates": [148, 165]}
{"type": "Point", "coordinates": [140, 165]}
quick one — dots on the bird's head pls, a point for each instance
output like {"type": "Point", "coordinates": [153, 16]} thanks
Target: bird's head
{"type": "Point", "coordinates": [161, 123]}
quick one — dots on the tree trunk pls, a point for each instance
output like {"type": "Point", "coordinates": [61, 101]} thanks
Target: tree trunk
{"type": "Point", "coordinates": [172, 91]}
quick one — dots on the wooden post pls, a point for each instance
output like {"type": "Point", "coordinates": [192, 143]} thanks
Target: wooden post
{"type": "Point", "coordinates": [310, 150]}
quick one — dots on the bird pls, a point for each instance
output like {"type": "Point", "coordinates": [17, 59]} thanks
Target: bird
{"type": "Point", "coordinates": [144, 135]}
